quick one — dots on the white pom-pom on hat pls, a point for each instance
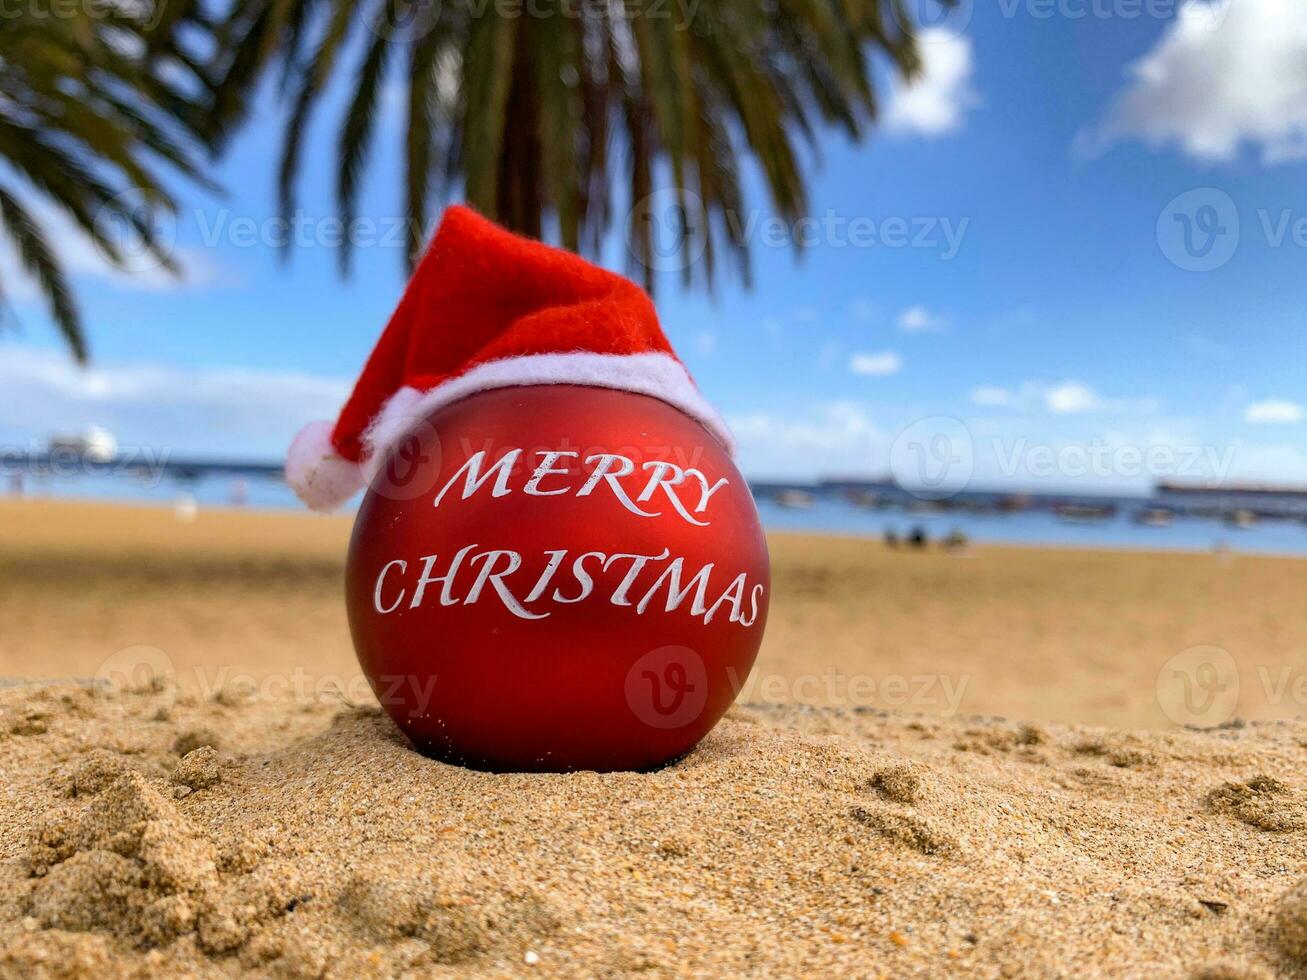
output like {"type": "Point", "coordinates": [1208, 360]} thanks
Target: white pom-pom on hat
{"type": "Point", "coordinates": [320, 477]}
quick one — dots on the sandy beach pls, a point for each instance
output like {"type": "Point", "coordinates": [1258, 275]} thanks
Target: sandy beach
{"type": "Point", "coordinates": [1037, 634]}
{"type": "Point", "coordinates": [944, 765]}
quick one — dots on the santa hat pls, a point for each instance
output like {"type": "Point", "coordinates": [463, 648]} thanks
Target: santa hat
{"type": "Point", "coordinates": [487, 309]}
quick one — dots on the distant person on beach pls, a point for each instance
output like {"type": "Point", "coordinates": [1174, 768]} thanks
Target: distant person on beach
{"type": "Point", "coordinates": [891, 538]}
{"type": "Point", "coordinates": [918, 538]}
{"type": "Point", "coordinates": [956, 540]}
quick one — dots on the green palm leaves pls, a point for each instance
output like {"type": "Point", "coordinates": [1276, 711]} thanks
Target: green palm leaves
{"type": "Point", "coordinates": [535, 107]}
{"type": "Point", "coordinates": [559, 118]}
{"type": "Point", "coordinates": [88, 118]}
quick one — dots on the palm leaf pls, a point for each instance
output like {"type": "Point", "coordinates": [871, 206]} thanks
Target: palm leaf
{"type": "Point", "coordinates": [487, 74]}
{"type": "Point", "coordinates": [565, 107]}
{"type": "Point", "coordinates": [40, 262]}
{"type": "Point", "coordinates": [356, 134]}
{"type": "Point", "coordinates": [315, 78]}
{"type": "Point", "coordinates": [423, 72]}
{"type": "Point", "coordinates": [91, 122]}
{"type": "Point", "coordinates": [555, 55]}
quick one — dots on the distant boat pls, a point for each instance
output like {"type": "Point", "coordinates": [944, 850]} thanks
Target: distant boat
{"type": "Point", "coordinates": [1013, 502]}
{"type": "Point", "coordinates": [1261, 500]}
{"type": "Point", "coordinates": [925, 506]}
{"type": "Point", "coordinates": [95, 444]}
{"type": "Point", "coordinates": [869, 499]}
{"type": "Point", "coordinates": [1084, 513]}
{"type": "Point", "coordinates": [1240, 519]}
{"type": "Point", "coordinates": [795, 499]}
{"type": "Point", "coordinates": [1154, 517]}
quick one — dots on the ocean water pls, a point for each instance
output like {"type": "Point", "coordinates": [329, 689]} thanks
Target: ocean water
{"type": "Point", "coordinates": [829, 512]}
{"type": "Point", "coordinates": [1044, 528]}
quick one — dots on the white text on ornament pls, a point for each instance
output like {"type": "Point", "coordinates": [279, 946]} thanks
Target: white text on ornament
{"type": "Point", "coordinates": [641, 582]}
{"type": "Point", "coordinates": [548, 479]}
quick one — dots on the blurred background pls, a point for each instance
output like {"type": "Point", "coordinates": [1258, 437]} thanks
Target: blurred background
{"type": "Point", "coordinates": [1001, 300]}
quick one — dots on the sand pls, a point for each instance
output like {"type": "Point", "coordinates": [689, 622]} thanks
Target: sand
{"type": "Point", "coordinates": [206, 823]}
{"type": "Point", "coordinates": [310, 841]}
{"type": "Point", "coordinates": [1040, 634]}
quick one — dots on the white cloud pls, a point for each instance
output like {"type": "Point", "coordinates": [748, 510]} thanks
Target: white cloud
{"type": "Point", "coordinates": [1274, 410]}
{"type": "Point", "coordinates": [936, 101]}
{"type": "Point", "coordinates": [705, 343]}
{"type": "Point", "coordinates": [876, 365]}
{"type": "Point", "coordinates": [837, 437]}
{"type": "Point", "coordinates": [240, 411]}
{"type": "Point", "coordinates": [1071, 398]}
{"type": "Point", "coordinates": [1223, 74]}
{"type": "Point", "coordinates": [1060, 398]}
{"type": "Point", "coordinates": [918, 319]}
{"type": "Point", "coordinates": [991, 396]}
{"type": "Point", "coordinates": [1088, 452]}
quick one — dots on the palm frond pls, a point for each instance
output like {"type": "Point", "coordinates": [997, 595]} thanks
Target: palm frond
{"type": "Point", "coordinates": [91, 122]}
{"type": "Point", "coordinates": [487, 77]}
{"type": "Point", "coordinates": [529, 109]}
{"type": "Point", "coordinates": [356, 133]}
{"type": "Point", "coordinates": [315, 78]}
{"type": "Point", "coordinates": [423, 84]}
{"type": "Point", "coordinates": [40, 262]}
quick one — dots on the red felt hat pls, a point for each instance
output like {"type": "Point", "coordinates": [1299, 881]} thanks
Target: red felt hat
{"type": "Point", "coordinates": [488, 309]}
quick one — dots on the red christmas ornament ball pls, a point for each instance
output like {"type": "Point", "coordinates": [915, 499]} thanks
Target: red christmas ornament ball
{"type": "Point", "coordinates": [554, 578]}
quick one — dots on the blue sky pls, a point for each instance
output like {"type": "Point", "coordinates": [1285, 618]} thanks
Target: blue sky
{"type": "Point", "coordinates": [1045, 310]}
